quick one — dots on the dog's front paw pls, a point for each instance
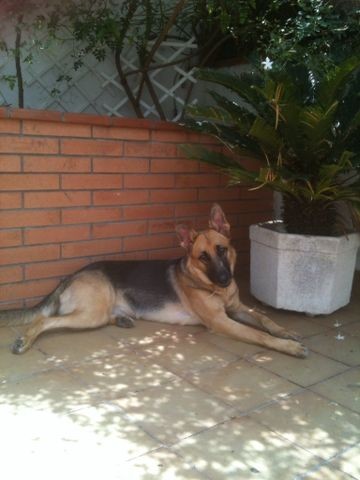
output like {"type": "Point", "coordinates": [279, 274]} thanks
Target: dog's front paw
{"type": "Point", "coordinates": [291, 335]}
{"type": "Point", "coordinates": [18, 346]}
{"type": "Point", "coordinates": [301, 351]}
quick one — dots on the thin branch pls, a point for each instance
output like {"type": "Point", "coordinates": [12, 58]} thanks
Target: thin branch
{"type": "Point", "coordinates": [18, 63]}
{"type": "Point", "coordinates": [134, 102]}
{"type": "Point", "coordinates": [154, 96]}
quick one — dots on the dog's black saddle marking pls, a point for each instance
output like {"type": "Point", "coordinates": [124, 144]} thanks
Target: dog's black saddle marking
{"type": "Point", "coordinates": [146, 285]}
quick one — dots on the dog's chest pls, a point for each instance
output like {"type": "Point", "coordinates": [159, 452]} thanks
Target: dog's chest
{"type": "Point", "coordinates": [173, 313]}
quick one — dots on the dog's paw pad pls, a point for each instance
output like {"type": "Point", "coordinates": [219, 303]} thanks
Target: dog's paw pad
{"type": "Point", "coordinates": [18, 346]}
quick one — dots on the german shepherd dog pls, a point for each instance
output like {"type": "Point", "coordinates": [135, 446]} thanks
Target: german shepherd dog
{"type": "Point", "coordinates": [198, 288]}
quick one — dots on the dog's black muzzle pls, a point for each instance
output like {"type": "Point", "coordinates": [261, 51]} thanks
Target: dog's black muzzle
{"type": "Point", "coordinates": [220, 274]}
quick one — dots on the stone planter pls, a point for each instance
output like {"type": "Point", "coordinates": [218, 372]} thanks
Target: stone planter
{"type": "Point", "coordinates": [304, 273]}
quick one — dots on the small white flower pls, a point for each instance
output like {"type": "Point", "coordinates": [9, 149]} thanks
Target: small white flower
{"type": "Point", "coordinates": [267, 63]}
{"type": "Point", "coordinates": [340, 337]}
{"type": "Point", "coordinates": [337, 324]}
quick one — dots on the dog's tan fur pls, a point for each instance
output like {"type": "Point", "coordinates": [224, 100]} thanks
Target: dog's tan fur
{"type": "Point", "coordinates": [89, 300]}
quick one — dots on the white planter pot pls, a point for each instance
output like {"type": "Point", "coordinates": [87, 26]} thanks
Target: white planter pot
{"type": "Point", "coordinates": [304, 273]}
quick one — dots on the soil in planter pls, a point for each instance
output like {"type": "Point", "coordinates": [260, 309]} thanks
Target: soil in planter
{"type": "Point", "coordinates": [309, 218]}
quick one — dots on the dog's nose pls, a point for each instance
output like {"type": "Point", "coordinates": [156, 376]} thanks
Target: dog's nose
{"type": "Point", "coordinates": [224, 278]}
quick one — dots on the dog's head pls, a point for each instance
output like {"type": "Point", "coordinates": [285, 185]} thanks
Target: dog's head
{"type": "Point", "coordinates": [210, 256]}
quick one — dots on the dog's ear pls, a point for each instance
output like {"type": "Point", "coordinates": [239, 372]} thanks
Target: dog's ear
{"type": "Point", "coordinates": [186, 236]}
{"type": "Point", "coordinates": [218, 220]}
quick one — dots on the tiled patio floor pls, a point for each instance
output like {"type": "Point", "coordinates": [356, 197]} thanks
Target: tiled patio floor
{"type": "Point", "coordinates": [161, 402]}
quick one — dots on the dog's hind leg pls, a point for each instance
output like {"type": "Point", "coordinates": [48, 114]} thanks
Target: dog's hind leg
{"type": "Point", "coordinates": [75, 320]}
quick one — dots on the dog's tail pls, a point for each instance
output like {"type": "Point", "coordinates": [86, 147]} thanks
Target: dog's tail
{"type": "Point", "coordinates": [23, 316]}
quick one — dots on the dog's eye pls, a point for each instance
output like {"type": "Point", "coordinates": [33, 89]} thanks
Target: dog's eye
{"type": "Point", "coordinates": [221, 250]}
{"type": "Point", "coordinates": [204, 257]}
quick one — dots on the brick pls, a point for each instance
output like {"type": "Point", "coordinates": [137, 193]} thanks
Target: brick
{"type": "Point", "coordinates": [57, 129]}
{"type": "Point", "coordinates": [91, 147]}
{"type": "Point", "coordinates": [249, 218]}
{"type": "Point", "coordinates": [15, 144]}
{"type": "Point", "coordinates": [192, 209]}
{"type": "Point", "coordinates": [10, 238]}
{"type": "Point", "coordinates": [90, 181]}
{"type": "Point", "coordinates": [149, 181]}
{"type": "Point", "coordinates": [162, 226]}
{"type": "Point", "coordinates": [121, 165]}
{"type": "Point", "coordinates": [148, 211]}
{"type": "Point", "coordinates": [18, 255]}
{"type": "Point", "coordinates": [253, 206]}
{"type": "Point", "coordinates": [56, 199]}
{"type": "Point", "coordinates": [197, 180]}
{"type": "Point", "coordinates": [124, 197]}
{"type": "Point", "coordinates": [28, 181]}
{"type": "Point", "coordinates": [23, 218]}
{"type": "Point", "coordinates": [27, 289]}
{"type": "Point", "coordinates": [86, 118]}
{"type": "Point", "coordinates": [44, 115]}
{"type": "Point", "coordinates": [56, 164]}
{"type": "Point", "coordinates": [90, 215]}
{"type": "Point", "coordinates": [57, 268]}
{"type": "Point", "coordinates": [10, 163]}
{"type": "Point", "coordinates": [148, 243]}
{"type": "Point", "coordinates": [165, 165]}
{"type": "Point", "coordinates": [56, 234]}
{"type": "Point", "coordinates": [9, 126]}
{"type": "Point", "coordinates": [169, 135]}
{"type": "Point", "coordinates": [10, 200]}
{"type": "Point", "coordinates": [146, 149]}
{"type": "Point", "coordinates": [11, 274]}
{"type": "Point", "coordinates": [121, 133]}
{"type": "Point", "coordinates": [91, 247]}
{"type": "Point", "coordinates": [217, 194]}
{"type": "Point", "coordinates": [119, 229]}
{"type": "Point", "coordinates": [173, 196]}
{"type": "Point", "coordinates": [166, 253]}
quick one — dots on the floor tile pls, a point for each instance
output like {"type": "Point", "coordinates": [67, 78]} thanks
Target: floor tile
{"type": "Point", "coordinates": [174, 410]}
{"type": "Point", "coordinates": [240, 349]}
{"type": "Point", "coordinates": [346, 350]}
{"type": "Point", "coordinates": [299, 371]}
{"type": "Point", "coordinates": [160, 465]}
{"type": "Point", "coordinates": [7, 337]}
{"type": "Point", "coordinates": [344, 316]}
{"type": "Point", "coordinates": [241, 449]}
{"type": "Point", "coordinates": [187, 354]}
{"type": "Point", "coordinates": [53, 390]}
{"type": "Point", "coordinates": [312, 422]}
{"type": "Point", "coordinates": [343, 388]}
{"type": "Point", "coordinates": [92, 443]}
{"type": "Point", "coordinates": [118, 375]}
{"type": "Point", "coordinates": [242, 384]}
{"type": "Point", "coordinates": [69, 347]}
{"type": "Point", "coordinates": [327, 472]}
{"type": "Point", "coordinates": [349, 462]}
{"type": "Point", "coordinates": [352, 328]}
{"type": "Point", "coordinates": [17, 366]}
{"type": "Point", "coordinates": [146, 333]}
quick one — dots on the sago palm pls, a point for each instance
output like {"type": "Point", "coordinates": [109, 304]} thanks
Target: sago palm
{"type": "Point", "coordinates": [303, 133]}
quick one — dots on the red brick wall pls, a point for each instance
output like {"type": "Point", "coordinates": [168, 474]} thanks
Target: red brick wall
{"type": "Point", "coordinates": [76, 188]}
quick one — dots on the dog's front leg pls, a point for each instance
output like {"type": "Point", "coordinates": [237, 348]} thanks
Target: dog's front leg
{"type": "Point", "coordinates": [243, 314]}
{"type": "Point", "coordinates": [212, 313]}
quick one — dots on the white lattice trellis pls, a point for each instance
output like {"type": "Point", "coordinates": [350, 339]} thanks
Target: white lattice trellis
{"type": "Point", "coordinates": [95, 87]}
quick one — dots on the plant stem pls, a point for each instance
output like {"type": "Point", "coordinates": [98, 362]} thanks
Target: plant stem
{"type": "Point", "coordinates": [18, 63]}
